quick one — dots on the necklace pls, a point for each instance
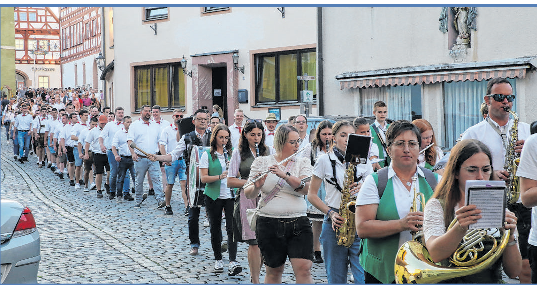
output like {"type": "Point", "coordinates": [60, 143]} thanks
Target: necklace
{"type": "Point", "coordinates": [408, 183]}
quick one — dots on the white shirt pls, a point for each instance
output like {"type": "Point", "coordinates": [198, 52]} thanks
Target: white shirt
{"type": "Point", "coordinates": [77, 129]}
{"type": "Point", "coordinates": [323, 170]}
{"type": "Point", "coordinates": [109, 131]}
{"type": "Point", "coordinates": [235, 134]}
{"type": "Point", "coordinates": [58, 130]}
{"type": "Point", "coordinates": [120, 142]}
{"type": "Point", "coordinates": [181, 146]}
{"type": "Point", "coordinates": [382, 131]}
{"type": "Point", "coordinates": [66, 134]}
{"type": "Point", "coordinates": [373, 150]}
{"type": "Point", "coordinates": [93, 139]}
{"type": "Point", "coordinates": [225, 193]}
{"type": "Point", "coordinates": [82, 137]}
{"type": "Point", "coordinates": [39, 124]}
{"type": "Point", "coordinates": [403, 197]}
{"type": "Point", "coordinates": [528, 169]}
{"type": "Point", "coordinates": [168, 138]}
{"type": "Point", "coordinates": [269, 139]}
{"type": "Point", "coordinates": [23, 122]}
{"type": "Point", "coordinates": [484, 132]}
{"type": "Point", "coordinates": [58, 106]}
{"type": "Point", "coordinates": [439, 155]}
{"type": "Point", "coordinates": [162, 124]}
{"type": "Point", "coordinates": [145, 136]}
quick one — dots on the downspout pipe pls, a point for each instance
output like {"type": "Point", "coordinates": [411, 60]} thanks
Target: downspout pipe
{"type": "Point", "coordinates": [320, 66]}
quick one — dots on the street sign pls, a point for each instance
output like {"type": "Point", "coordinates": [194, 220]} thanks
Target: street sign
{"type": "Point", "coordinates": [305, 77]}
{"type": "Point", "coordinates": [307, 96]}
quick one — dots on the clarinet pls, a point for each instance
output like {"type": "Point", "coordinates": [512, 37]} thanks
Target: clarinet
{"type": "Point", "coordinates": [256, 150]}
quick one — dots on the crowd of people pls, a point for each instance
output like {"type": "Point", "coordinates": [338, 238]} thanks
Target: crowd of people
{"type": "Point", "coordinates": [280, 189]}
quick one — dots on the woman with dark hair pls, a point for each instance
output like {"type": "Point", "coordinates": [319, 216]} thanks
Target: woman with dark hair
{"type": "Point", "coordinates": [283, 229]}
{"type": "Point", "coordinates": [434, 153]}
{"type": "Point", "coordinates": [383, 216]}
{"type": "Point", "coordinates": [319, 146]}
{"type": "Point", "coordinates": [469, 160]}
{"type": "Point", "coordinates": [331, 168]}
{"type": "Point", "coordinates": [251, 145]}
{"type": "Point", "coordinates": [213, 169]}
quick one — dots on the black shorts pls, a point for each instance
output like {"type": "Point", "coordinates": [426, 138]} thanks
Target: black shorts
{"type": "Point", "coordinates": [88, 162]}
{"type": "Point", "coordinates": [70, 156]}
{"type": "Point", "coordinates": [279, 238]}
{"type": "Point", "coordinates": [101, 161]}
{"type": "Point", "coordinates": [41, 141]}
{"type": "Point", "coordinates": [523, 226]}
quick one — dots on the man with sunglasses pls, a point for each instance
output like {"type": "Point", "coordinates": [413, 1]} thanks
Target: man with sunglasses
{"type": "Point", "coordinates": [494, 132]}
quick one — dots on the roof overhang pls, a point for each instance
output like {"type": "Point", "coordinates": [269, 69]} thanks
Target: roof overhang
{"type": "Point", "coordinates": [427, 74]}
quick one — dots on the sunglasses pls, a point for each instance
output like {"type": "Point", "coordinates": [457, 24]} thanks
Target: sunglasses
{"type": "Point", "coordinates": [501, 97]}
{"type": "Point", "coordinates": [254, 120]}
{"type": "Point", "coordinates": [178, 116]}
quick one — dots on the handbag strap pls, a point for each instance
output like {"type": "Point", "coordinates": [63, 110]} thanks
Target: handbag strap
{"type": "Point", "coordinates": [276, 189]}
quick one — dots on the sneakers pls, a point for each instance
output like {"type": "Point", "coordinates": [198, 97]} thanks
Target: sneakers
{"type": "Point", "coordinates": [86, 189]}
{"type": "Point", "coordinates": [168, 210]}
{"type": "Point", "coordinates": [144, 197]}
{"type": "Point", "coordinates": [151, 191]}
{"type": "Point", "coordinates": [186, 211]}
{"type": "Point", "coordinates": [112, 195]}
{"type": "Point", "coordinates": [206, 223]}
{"type": "Point", "coordinates": [53, 168]}
{"type": "Point", "coordinates": [93, 186]}
{"type": "Point", "coordinates": [80, 181]}
{"type": "Point", "coordinates": [49, 165]}
{"type": "Point", "coordinates": [161, 204]}
{"type": "Point", "coordinates": [194, 251]}
{"type": "Point", "coordinates": [15, 157]}
{"type": "Point", "coordinates": [119, 198]}
{"type": "Point", "coordinates": [60, 175]}
{"type": "Point", "coordinates": [107, 188]}
{"type": "Point", "coordinates": [132, 190]}
{"type": "Point", "coordinates": [21, 160]}
{"type": "Point", "coordinates": [71, 183]}
{"type": "Point", "coordinates": [128, 197]}
{"type": "Point", "coordinates": [234, 268]}
{"type": "Point", "coordinates": [77, 186]}
{"type": "Point", "coordinates": [219, 266]}
{"type": "Point", "coordinates": [99, 193]}
{"type": "Point", "coordinates": [139, 205]}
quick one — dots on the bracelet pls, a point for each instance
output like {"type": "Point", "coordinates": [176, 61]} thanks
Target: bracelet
{"type": "Point", "coordinates": [219, 176]}
{"type": "Point", "coordinates": [512, 242]}
{"type": "Point", "coordinates": [328, 213]}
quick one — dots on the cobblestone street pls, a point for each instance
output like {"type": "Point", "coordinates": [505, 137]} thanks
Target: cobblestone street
{"type": "Point", "coordinates": [90, 240]}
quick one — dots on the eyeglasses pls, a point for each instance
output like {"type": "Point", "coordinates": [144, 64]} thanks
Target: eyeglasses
{"type": "Point", "coordinates": [300, 122]}
{"type": "Point", "coordinates": [202, 119]}
{"type": "Point", "coordinates": [487, 169]}
{"type": "Point", "coordinates": [410, 144]}
{"type": "Point", "coordinates": [501, 97]}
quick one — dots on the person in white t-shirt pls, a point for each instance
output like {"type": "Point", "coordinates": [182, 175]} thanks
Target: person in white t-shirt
{"type": "Point", "coordinates": [270, 123]}
{"type": "Point", "coordinates": [236, 128]}
{"type": "Point", "coordinates": [527, 171]}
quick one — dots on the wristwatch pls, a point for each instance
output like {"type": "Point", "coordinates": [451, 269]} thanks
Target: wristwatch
{"type": "Point", "coordinates": [302, 184]}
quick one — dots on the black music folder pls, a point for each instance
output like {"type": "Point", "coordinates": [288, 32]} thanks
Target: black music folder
{"type": "Point", "coordinates": [357, 149]}
{"type": "Point", "coordinates": [186, 125]}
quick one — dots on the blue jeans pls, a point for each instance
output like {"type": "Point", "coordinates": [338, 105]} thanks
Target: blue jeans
{"type": "Point", "coordinates": [114, 173]}
{"type": "Point", "coordinates": [141, 167]}
{"type": "Point", "coordinates": [15, 142]}
{"type": "Point", "coordinates": [338, 257]}
{"type": "Point", "coordinates": [24, 143]}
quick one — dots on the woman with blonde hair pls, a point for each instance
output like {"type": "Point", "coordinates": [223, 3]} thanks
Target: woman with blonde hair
{"type": "Point", "coordinates": [434, 153]}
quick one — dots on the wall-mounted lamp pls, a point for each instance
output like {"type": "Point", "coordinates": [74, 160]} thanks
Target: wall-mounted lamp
{"type": "Point", "coordinates": [235, 57]}
{"type": "Point", "coordinates": [100, 61]}
{"type": "Point", "coordinates": [282, 10]}
{"type": "Point", "coordinates": [154, 28]}
{"type": "Point", "coordinates": [183, 65]}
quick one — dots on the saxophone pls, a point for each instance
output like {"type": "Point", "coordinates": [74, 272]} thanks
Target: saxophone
{"type": "Point", "coordinates": [346, 233]}
{"type": "Point", "coordinates": [512, 160]}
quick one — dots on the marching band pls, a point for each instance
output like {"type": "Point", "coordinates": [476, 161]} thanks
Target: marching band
{"type": "Point", "coordinates": [287, 197]}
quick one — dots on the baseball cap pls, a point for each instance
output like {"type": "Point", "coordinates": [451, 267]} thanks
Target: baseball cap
{"type": "Point", "coordinates": [103, 119]}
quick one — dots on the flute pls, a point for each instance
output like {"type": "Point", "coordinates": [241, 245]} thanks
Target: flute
{"type": "Point", "coordinates": [423, 150]}
{"type": "Point", "coordinates": [247, 184]}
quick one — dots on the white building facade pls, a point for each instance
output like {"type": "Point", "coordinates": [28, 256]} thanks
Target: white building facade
{"type": "Point", "coordinates": [425, 67]}
{"type": "Point", "coordinates": [273, 46]}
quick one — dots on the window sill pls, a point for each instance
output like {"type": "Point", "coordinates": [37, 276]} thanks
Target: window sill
{"type": "Point", "coordinates": [271, 105]}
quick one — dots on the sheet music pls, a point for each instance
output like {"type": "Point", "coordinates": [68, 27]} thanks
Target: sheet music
{"type": "Point", "coordinates": [489, 197]}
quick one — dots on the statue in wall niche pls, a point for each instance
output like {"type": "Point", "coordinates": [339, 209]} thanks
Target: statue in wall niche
{"type": "Point", "coordinates": [460, 19]}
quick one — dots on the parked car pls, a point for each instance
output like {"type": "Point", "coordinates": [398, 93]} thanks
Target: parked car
{"type": "Point", "coordinates": [20, 248]}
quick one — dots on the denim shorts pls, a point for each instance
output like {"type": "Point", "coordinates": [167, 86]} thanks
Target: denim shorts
{"type": "Point", "coordinates": [78, 160]}
{"type": "Point", "coordinates": [279, 238]}
{"type": "Point", "coordinates": [178, 167]}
